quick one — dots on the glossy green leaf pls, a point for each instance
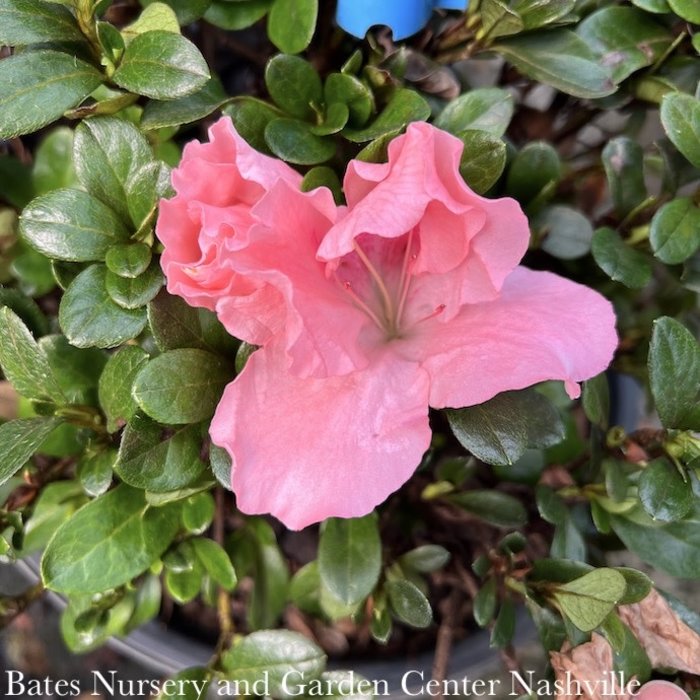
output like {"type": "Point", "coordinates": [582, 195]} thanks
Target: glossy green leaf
{"type": "Point", "coordinates": [498, 431]}
{"type": "Point", "coordinates": [492, 506]}
{"type": "Point", "coordinates": [561, 59]}
{"type": "Point", "coordinates": [588, 600]}
{"type": "Point", "coordinates": [155, 16]}
{"type": "Point", "coordinates": [504, 628]}
{"type": "Point", "coordinates": [335, 118]}
{"type": "Point", "coordinates": [623, 160]}
{"type": "Point", "coordinates": [404, 106]}
{"type": "Point", "coordinates": [53, 162]}
{"type": "Point", "coordinates": [323, 176]}
{"type": "Point", "coordinates": [687, 9]}
{"type": "Point", "coordinates": [159, 460]}
{"type": "Point", "coordinates": [161, 65]}
{"type": "Point", "coordinates": [625, 39]}
{"type": "Point", "coordinates": [483, 160]}
{"type": "Point", "coordinates": [187, 11]}
{"type": "Point", "coordinates": [198, 512]}
{"type": "Point", "coordinates": [182, 386]}
{"type": "Point", "coordinates": [538, 13]}
{"type": "Point", "coordinates": [426, 558]}
{"type": "Point", "coordinates": [485, 603]}
{"type": "Point", "coordinates": [408, 603]}
{"type": "Point", "coordinates": [673, 548]}
{"type": "Point", "coordinates": [71, 225]}
{"type": "Point", "coordinates": [348, 90]}
{"type": "Point", "coordinates": [107, 542]}
{"type": "Point", "coordinates": [567, 233]}
{"type": "Point", "coordinates": [657, 6]}
{"type": "Point", "coordinates": [294, 85]}
{"type": "Point", "coordinates": [275, 658]}
{"type": "Point", "coordinates": [158, 114]}
{"type": "Point", "coordinates": [250, 117]}
{"type": "Point", "coordinates": [663, 492]}
{"type": "Point", "coordinates": [619, 261]}
{"type": "Point", "coordinates": [498, 19]}
{"type": "Point", "coordinates": [134, 292]}
{"type": "Point", "coordinates": [39, 86]}
{"type": "Point", "coordinates": [115, 385]}
{"type": "Point", "coordinates": [535, 167]}
{"type": "Point", "coordinates": [108, 152]}
{"type": "Point", "coordinates": [215, 562]}
{"type": "Point", "coordinates": [596, 400]}
{"type": "Point", "coordinates": [238, 14]}
{"type": "Point", "coordinates": [291, 24]}
{"type": "Point", "coordinates": [95, 472]}
{"type": "Point", "coordinates": [483, 109]}
{"type": "Point", "coordinates": [294, 141]}
{"type": "Point", "coordinates": [89, 317]}
{"type": "Point", "coordinates": [128, 259]}
{"type": "Point", "coordinates": [680, 116]}
{"type": "Point", "coordinates": [19, 440]}
{"type": "Point", "coordinates": [350, 557]}
{"type": "Point", "coordinates": [674, 373]}
{"type": "Point", "coordinates": [675, 231]}
{"type": "Point", "coordinates": [24, 363]}
{"type": "Point", "coordinates": [34, 21]}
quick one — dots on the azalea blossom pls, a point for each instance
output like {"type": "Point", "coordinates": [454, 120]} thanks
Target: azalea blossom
{"type": "Point", "coordinates": [409, 297]}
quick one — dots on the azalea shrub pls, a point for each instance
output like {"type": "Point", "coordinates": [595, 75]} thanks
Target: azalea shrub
{"type": "Point", "coordinates": [354, 327]}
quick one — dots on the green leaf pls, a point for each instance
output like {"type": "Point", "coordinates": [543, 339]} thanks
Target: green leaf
{"type": "Point", "coordinates": [334, 119]}
{"type": "Point", "coordinates": [426, 558]}
{"type": "Point", "coordinates": [619, 261]}
{"type": "Point", "coordinates": [17, 183]}
{"type": "Point", "coordinates": [596, 400]}
{"type": "Point", "coordinates": [323, 176]}
{"type": "Point", "coordinates": [639, 585]}
{"type": "Point", "coordinates": [53, 162]}
{"type": "Point", "coordinates": [538, 13]}
{"type": "Point", "coordinates": [89, 317]}
{"type": "Point", "coordinates": [115, 383]}
{"type": "Point", "coordinates": [160, 114]}
{"type": "Point", "coordinates": [128, 260]}
{"type": "Point", "coordinates": [625, 39]}
{"type": "Point", "coordinates": [34, 21]}
{"type": "Point", "coordinates": [497, 19]}
{"type": "Point", "coordinates": [657, 6]}
{"type": "Point", "coordinates": [294, 141]}
{"type": "Point", "coordinates": [348, 90]}
{"type": "Point", "coordinates": [71, 225]}
{"type": "Point", "coordinates": [675, 231]}
{"type": "Point", "coordinates": [175, 324]}
{"type": "Point", "coordinates": [198, 512]}
{"type": "Point", "coordinates": [278, 658]}
{"type": "Point", "coordinates": [107, 542]}
{"type": "Point", "coordinates": [623, 160]}
{"type": "Point", "coordinates": [238, 14]}
{"type": "Point", "coordinates": [251, 117]}
{"type": "Point", "coordinates": [482, 109]}
{"type": "Point", "coordinates": [680, 116]}
{"type": "Point", "coordinates": [39, 86]}
{"type": "Point", "coordinates": [27, 309]}
{"type": "Point", "coordinates": [664, 494]}
{"type": "Point", "coordinates": [535, 167]}
{"type": "Point", "coordinates": [404, 106]}
{"type": "Point", "coordinates": [687, 9]}
{"type": "Point", "coordinates": [350, 557]}
{"type": "Point", "coordinates": [182, 386]}
{"type": "Point", "coordinates": [408, 603]}
{"type": "Point", "coordinates": [492, 506]}
{"type": "Point", "coordinates": [498, 431]}
{"type": "Point", "coordinates": [187, 11]}
{"type": "Point", "coordinates": [291, 24]}
{"type": "Point", "coordinates": [632, 660]}
{"type": "Point", "coordinates": [567, 233]}
{"type": "Point", "coordinates": [19, 440]}
{"type": "Point", "coordinates": [95, 472]}
{"type": "Point", "coordinates": [134, 292]}
{"type": "Point", "coordinates": [588, 600]}
{"type": "Point", "coordinates": [674, 373]}
{"type": "Point", "coordinates": [561, 59]}
{"type": "Point", "coordinates": [485, 603]}
{"type": "Point", "coordinates": [215, 562]}
{"type": "Point", "coordinates": [294, 85]}
{"type": "Point", "coordinates": [24, 363]}
{"type": "Point", "coordinates": [503, 630]}
{"type": "Point", "coordinates": [161, 65]}
{"type": "Point", "coordinates": [155, 16]}
{"type": "Point", "coordinates": [157, 459]}
{"type": "Point", "coordinates": [108, 153]}
{"type": "Point", "coordinates": [673, 548]}
{"type": "Point", "coordinates": [483, 160]}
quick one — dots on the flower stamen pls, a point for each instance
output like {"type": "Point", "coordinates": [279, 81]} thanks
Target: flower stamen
{"type": "Point", "coordinates": [383, 291]}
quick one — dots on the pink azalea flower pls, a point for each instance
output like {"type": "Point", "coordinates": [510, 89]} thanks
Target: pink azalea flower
{"type": "Point", "coordinates": [661, 690]}
{"type": "Point", "coordinates": [408, 298]}
{"type": "Point", "coordinates": [217, 184]}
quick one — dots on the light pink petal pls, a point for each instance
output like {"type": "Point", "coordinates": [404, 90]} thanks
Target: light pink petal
{"type": "Point", "coordinates": [541, 327]}
{"type": "Point", "coordinates": [321, 326]}
{"type": "Point", "coordinates": [661, 690]}
{"type": "Point", "coordinates": [308, 449]}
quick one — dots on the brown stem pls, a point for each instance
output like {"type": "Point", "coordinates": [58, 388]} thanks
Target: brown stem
{"type": "Point", "coordinates": [223, 601]}
{"type": "Point", "coordinates": [10, 608]}
{"type": "Point", "coordinates": [445, 635]}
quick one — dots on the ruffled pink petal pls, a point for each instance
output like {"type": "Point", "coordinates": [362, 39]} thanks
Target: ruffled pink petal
{"type": "Point", "coordinates": [321, 326]}
{"type": "Point", "coordinates": [542, 327]}
{"type": "Point", "coordinates": [308, 449]}
{"type": "Point", "coordinates": [661, 690]}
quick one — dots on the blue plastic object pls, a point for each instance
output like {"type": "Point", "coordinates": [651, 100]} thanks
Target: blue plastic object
{"type": "Point", "coordinates": [404, 17]}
